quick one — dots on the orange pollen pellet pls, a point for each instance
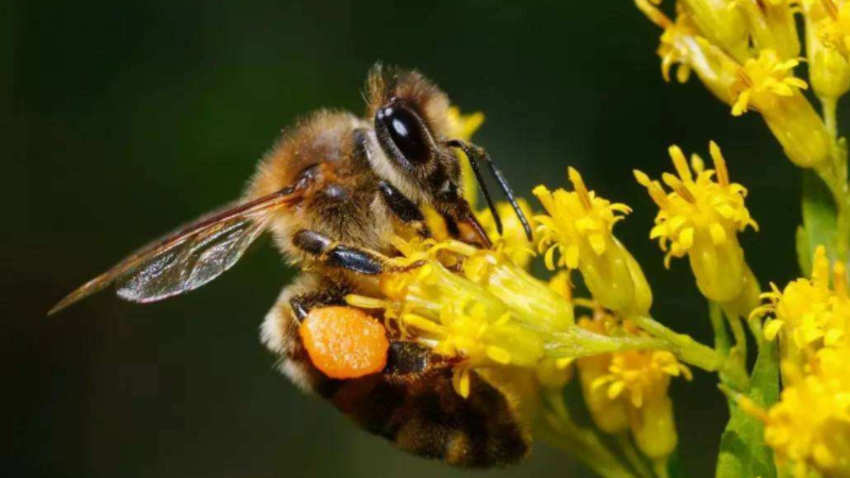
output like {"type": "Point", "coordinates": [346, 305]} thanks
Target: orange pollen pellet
{"type": "Point", "coordinates": [344, 342]}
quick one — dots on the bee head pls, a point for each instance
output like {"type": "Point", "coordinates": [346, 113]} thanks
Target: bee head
{"type": "Point", "coordinates": [410, 119]}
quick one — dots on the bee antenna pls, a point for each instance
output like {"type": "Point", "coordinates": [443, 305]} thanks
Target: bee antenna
{"type": "Point", "coordinates": [475, 154]}
{"type": "Point", "coordinates": [473, 161]}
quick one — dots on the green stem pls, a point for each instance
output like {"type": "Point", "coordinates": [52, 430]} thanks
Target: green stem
{"type": "Point", "coordinates": [633, 456]}
{"type": "Point", "coordinates": [721, 337]}
{"type": "Point", "coordinates": [660, 468]}
{"type": "Point", "coordinates": [694, 353]}
{"type": "Point", "coordinates": [739, 351]}
{"type": "Point", "coordinates": [578, 342]}
{"type": "Point", "coordinates": [735, 369]}
{"type": "Point", "coordinates": [830, 174]}
{"type": "Point", "coordinates": [829, 116]}
{"type": "Point", "coordinates": [756, 330]}
{"type": "Point", "coordinates": [559, 430]}
{"type": "Point", "coordinates": [834, 174]}
{"type": "Point", "coordinates": [686, 348]}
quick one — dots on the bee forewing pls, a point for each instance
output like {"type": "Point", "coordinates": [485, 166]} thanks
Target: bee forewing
{"type": "Point", "coordinates": [188, 258]}
{"type": "Point", "coordinates": [193, 263]}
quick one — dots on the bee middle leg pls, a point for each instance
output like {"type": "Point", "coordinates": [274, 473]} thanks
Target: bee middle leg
{"type": "Point", "coordinates": [334, 254]}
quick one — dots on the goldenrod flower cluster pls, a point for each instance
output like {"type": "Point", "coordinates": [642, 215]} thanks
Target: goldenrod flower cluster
{"type": "Point", "coordinates": [745, 52]}
{"type": "Point", "coordinates": [487, 314]}
{"type": "Point", "coordinates": [809, 428]}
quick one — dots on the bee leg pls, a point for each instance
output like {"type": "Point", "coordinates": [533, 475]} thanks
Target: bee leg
{"type": "Point", "coordinates": [279, 331]}
{"type": "Point", "coordinates": [302, 304]}
{"type": "Point", "coordinates": [405, 358]}
{"type": "Point", "coordinates": [334, 254]}
{"type": "Point", "coordinates": [403, 208]}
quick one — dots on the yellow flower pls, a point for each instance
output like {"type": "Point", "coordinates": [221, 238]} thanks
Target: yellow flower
{"type": "Point", "coordinates": [721, 23]}
{"type": "Point", "coordinates": [772, 25]}
{"type": "Point", "coordinates": [641, 375]}
{"type": "Point", "coordinates": [513, 241]}
{"type": "Point", "coordinates": [701, 217]}
{"type": "Point", "coordinates": [681, 43]}
{"type": "Point", "coordinates": [829, 70]}
{"type": "Point", "coordinates": [809, 314]}
{"type": "Point", "coordinates": [608, 414]}
{"type": "Point", "coordinates": [492, 313]}
{"type": "Point", "coordinates": [764, 80]}
{"type": "Point", "coordinates": [834, 28]}
{"type": "Point", "coordinates": [767, 84]}
{"type": "Point", "coordinates": [484, 313]}
{"type": "Point", "coordinates": [561, 284]}
{"type": "Point", "coordinates": [629, 389]}
{"type": "Point", "coordinates": [554, 373]}
{"type": "Point", "coordinates": [809, 428]}
{"type": "Point", "coordinates": [463, 127]}
{"type": "Point", "coordinates": [578, 228]}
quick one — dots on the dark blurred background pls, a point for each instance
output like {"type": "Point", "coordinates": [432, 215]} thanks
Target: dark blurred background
{"type": "Point", "coordinates": [123, 119]}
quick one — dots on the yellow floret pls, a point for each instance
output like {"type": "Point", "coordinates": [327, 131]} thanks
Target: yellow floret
{"type": "Point", "coordinates": [576, 233]}
{"type": "Point", "coordinates": [700, 217]}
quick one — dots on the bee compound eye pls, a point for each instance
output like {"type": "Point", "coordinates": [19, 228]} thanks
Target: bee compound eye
{"type": "Point", "coordinates": [405, 130]}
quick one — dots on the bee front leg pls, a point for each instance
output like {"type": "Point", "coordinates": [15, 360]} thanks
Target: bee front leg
{"type": "Point", "coordinates": [334, 254]}
{"type": "Point", "coordinates": [403, 208]}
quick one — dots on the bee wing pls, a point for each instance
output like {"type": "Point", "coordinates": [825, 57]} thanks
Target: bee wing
{"type": "Point", "coordinates": [189, 257]}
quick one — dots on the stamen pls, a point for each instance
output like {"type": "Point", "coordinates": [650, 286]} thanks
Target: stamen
{"type": "Point", "coordinates": [581, 189]}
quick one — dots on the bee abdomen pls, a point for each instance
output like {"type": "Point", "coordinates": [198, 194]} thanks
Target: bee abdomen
{"type": "Point", "coordinates": [424, 415]}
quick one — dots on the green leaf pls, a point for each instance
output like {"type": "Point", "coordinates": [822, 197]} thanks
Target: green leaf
{"type": "Point", "coordinates": [804, 251]}
{"type": "Point", "coordinates": [818, 220]}
{"type": "Point", "coordinates": [675, 469]}
{"type": "Point", "coordinates": [743, 453]}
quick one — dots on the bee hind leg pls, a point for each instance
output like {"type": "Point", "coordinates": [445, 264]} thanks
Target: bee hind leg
{"type": "Point", "coordinates": [279, 331]}
{"type": "Point", "coordinates": [302, 304]}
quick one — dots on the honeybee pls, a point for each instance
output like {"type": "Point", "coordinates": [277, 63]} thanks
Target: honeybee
{"type": "Point", "coordinates": [333, 191]}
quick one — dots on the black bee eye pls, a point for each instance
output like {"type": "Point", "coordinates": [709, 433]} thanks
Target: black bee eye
{"type": "Point", "coordinates": [405, 131]}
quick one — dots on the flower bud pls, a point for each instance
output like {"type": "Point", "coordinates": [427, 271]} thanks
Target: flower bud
{"type": "Point", "coordinates": [653, 427]}
{"type": "Point", "coordinates": [829, 70]}
{"type": "Point", "coordinates": [721, 23]}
